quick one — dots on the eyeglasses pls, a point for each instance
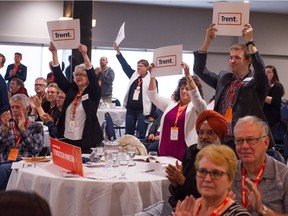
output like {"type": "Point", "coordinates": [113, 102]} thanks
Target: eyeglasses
{"type": "Point", "coordinates": [39, 85]}
{"type": "Point", "coordinates": [80, 75]}
{"type": "Point", "coordinates": [60, 97]}
{"type": "Point", "coordinates": [249, 141]}
{"type": "Point", "coordinates": [208, 132]}
{"type": "Point", "coordinates": [214, 174]}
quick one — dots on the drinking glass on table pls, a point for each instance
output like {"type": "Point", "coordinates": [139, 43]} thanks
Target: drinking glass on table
{"type": "Point", "coordinates": [131, 151]}
{"type": "Point", "coordinates": [123, 163]}
{"type": "Point", "coordinates": [153, 156]}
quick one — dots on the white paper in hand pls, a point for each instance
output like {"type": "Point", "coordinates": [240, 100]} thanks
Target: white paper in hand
{"type": "Point", "coordinates": [121, 34]}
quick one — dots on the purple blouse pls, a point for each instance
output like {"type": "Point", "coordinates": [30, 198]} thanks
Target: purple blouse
{"type": "Point", "coordinates": [168, 147]}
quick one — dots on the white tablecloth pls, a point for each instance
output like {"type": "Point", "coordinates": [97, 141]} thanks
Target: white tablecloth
{"type": "Point", "coordinates": [117, 114]}
{"type": "Point", "coordinates": [104, 196]}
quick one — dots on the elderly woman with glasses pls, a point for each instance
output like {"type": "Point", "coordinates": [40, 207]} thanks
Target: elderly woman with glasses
{"type": "Point", "coordinates": [216, 169]}
{"type": "Point", "coordinates": [78, 124]}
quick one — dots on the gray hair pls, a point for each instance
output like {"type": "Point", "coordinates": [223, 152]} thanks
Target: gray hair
{"type": "Point", "coordinates": [255, 121]}
{"type": "Point", "coordinates": [21, 97]}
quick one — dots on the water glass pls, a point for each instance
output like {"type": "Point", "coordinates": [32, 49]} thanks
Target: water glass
{"type": "Point", "coordinates": [153, 156]}
{"type": "Point", "coordinates": [131, 151]}
{"type": "Point", "coordinates": [123, 164]}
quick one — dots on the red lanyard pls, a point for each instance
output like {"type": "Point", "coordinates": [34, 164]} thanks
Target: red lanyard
{"type": "Point", "coordinates": [139, 83]}
{"type": "Point", "coordinates": [18, 138]}
{"type": "Point", "coordinates": [231, 91]}
{"type": "Point", "coordinates": [256, 182]}
{"type": "Point", "coordinates": [179, 112]}
{"type": "Point", "coordinates": [75, 103]}
{"type": "Point", "coordinates": [217, 210]}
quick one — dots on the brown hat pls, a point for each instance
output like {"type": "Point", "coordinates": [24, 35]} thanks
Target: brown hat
{"type": "Point", "coordinates": [215, 120]}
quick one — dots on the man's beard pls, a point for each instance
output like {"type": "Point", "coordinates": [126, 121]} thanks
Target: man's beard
{"type": "Point", "coordinates": [204, 142]}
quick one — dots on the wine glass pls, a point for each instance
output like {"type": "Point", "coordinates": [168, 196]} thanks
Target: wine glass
{"type": "Point", "coordinates": [123, 163]}
{"type": "Point", "coordinates": [131, 151]}
{"type": "Point", "coordinates": [153, 156]}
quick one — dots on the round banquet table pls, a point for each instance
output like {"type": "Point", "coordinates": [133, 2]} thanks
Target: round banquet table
{"type": "Point", "coordinates": [101, 192]}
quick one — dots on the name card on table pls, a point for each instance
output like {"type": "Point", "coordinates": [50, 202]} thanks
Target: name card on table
{"type": "Point", "coordinates": [67, 156]}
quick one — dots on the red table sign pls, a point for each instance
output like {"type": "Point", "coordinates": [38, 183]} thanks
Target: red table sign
{"type": "Point", "coordinates": [67, 156]}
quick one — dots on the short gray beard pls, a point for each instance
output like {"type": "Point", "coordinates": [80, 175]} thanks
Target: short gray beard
{"type": "Point", "coordinates": [202, 145]}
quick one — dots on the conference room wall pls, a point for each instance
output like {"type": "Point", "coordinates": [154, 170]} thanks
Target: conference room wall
{"type": "Point", "coordinates": [148, 27]}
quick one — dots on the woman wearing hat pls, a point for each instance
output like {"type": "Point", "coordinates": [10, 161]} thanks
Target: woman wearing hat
{"type": "Point", "coordinates": [177, 128]}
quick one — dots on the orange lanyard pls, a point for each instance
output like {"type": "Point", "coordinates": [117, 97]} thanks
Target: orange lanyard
{"type": "Point", "coordinates": [179, 112]}
{"type": "Point", "coordinates": [75, 103]}
{"type": "Point", "coordinates": [217, 210]}
{"type": "Point", "coordinates": [256, 182]}
{"type": "Point", "coordinates": [18, 138]}
{"type": "Point", "coordinates": [139, 83]}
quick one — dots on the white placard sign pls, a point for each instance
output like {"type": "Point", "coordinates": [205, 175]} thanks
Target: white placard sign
{"type": "Point", "coordinates": [230, 17]}
{"type": "Point", "coordinates": [121, 34]}
{"type": "Point", "coordinates": [65, 34]}
{"type": "Point", "coordinates": [167, 61]}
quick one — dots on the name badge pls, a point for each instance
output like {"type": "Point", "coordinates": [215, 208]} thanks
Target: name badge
{"type": "Point", "coordinates": [72, 126]}
{"type": "Point", "coordinates": [85, 97]}
{"type": "Point", "coordinates": [174, 133]}
{"type": "Point", "coordinates": [13, 154]}
{"type": "Point", "coordinates": [136, 94]}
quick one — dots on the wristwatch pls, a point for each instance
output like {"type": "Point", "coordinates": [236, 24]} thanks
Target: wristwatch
{"type": "Point", "coordinates": [264, 210]}
{"type": "Point", "coordinates": [250, 42]}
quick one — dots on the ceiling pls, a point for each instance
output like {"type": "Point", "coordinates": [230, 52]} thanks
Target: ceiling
{"type": "Point", "coordinates": [255, 5]}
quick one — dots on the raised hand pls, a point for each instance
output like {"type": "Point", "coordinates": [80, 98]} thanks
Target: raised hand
{"type": "Point", "coordinates": [175, 174]}
{"type": "Point", "coordinates": [186, 207]}
{"type": "Point", "coordinates": [248, 32]}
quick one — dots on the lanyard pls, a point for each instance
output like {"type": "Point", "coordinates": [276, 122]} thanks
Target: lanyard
{"type": "Point", "coordinates": [18, 138]}
{"type": "Point", "coordinates": [217, 210]}
{"type": "Point", "coordinates": [179, 112]}
{"type": "Point", "coordinates": [139, 83]}
{"type": "Point", "coordinates": [75, 103]}
{"type": "Point", "coordinates": [231, 91]}
{"type": "Point", "coordinates": [256, 182]}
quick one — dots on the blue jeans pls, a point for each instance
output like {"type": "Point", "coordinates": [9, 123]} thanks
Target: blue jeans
{"type": "Point", "coordinates": [5, 171]}
{"type": "Point", "coordinates": [133, 117]}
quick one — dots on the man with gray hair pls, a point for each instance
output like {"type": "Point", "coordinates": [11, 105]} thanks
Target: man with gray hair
{"type": "Point", "coordinates": [261, 182]}
{"type": "Point", "coordinates": [18, 136]}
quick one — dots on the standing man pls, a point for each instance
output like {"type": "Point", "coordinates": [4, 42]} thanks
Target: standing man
{"type": "Point", "coordinates": [240, 92]}
{"type": "Point", "coordinates": [105, 76]}
{"type": "Point", "coordinates": [261, 182]}
{"type": "Point", "coordinates": [138, 105]}
{"type": "Point", "coordinates": [18, 138]}
{"type": "Point", "coordinates": [16, 70]}
{"type": "Point", "coordinates": [4, 102]}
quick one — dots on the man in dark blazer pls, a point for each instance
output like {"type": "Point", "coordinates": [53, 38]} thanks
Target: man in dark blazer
{"type": "Point", "coordinates": [238, 93]}
{"type": "Point", "coordinates": [17, 69]}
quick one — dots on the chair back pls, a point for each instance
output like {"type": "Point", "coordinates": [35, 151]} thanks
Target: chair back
{"type": "Point", "coordinates": [109, 128]}
{"type": "Point", "coordinates": [276, 155]}
{"type": "Point", "coordinates": [116, 101]}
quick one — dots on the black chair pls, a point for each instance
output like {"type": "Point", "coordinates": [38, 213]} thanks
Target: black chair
{"type": "Point", "coordinates": [108, 128]}
{"type": "Point", "coordinates": [276, 155]}
{"type": "Point", "coordinates": [116, 101]}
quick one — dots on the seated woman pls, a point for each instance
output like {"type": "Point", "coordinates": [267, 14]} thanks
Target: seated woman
{"type": "Point", "coordinates": [177, 128]}
{"type": "Point", "coordinates": [216, 169]}
{"type": "Point", "coordinates": [78, 123]}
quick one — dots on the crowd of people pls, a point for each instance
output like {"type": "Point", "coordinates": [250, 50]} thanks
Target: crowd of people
{"type": "Point", "coordinates": [207, 179]}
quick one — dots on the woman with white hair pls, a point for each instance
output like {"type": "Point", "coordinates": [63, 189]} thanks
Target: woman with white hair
{"type": "Point", "coordinates": [78, 123]}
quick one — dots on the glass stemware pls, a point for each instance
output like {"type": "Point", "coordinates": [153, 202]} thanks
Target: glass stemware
{"type": "Point", "coordinates": [131, 151]}
{"type": "Point", "coordinates": [123, 164]}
